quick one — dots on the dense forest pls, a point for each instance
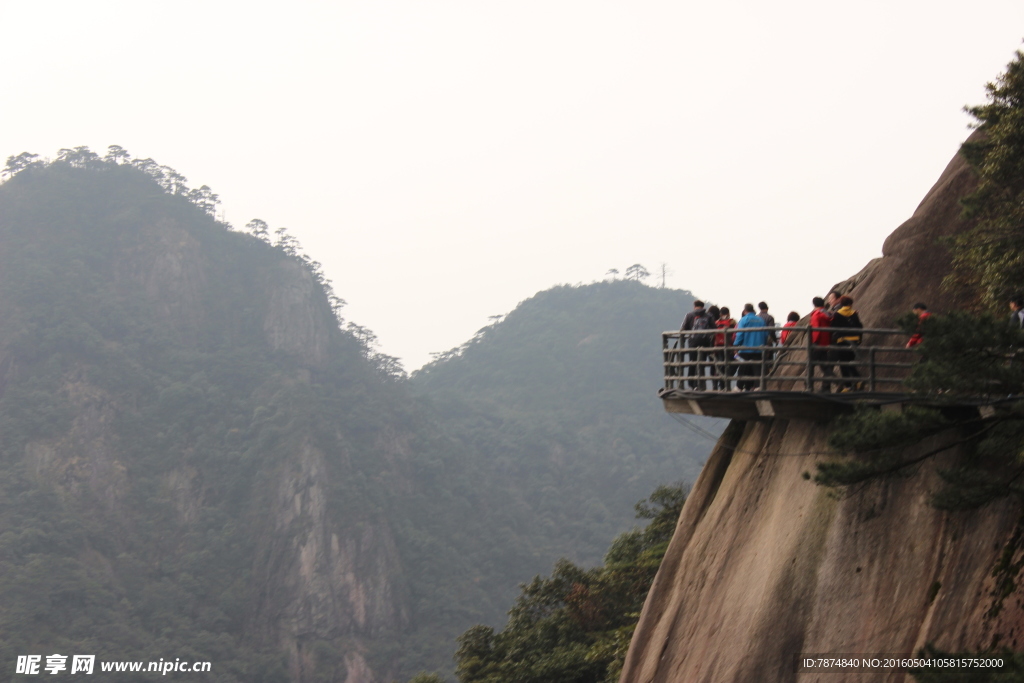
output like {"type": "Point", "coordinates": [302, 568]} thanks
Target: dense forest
{"type": "Point", "coordinates": [202, 459]}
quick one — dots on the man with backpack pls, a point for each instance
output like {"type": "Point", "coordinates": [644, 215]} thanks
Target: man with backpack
{"type": "Point", "coordinates": [696, 320]}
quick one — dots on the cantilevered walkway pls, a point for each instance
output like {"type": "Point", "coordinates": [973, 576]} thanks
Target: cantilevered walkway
{"type": "Point", "coordinates": [797, 380]}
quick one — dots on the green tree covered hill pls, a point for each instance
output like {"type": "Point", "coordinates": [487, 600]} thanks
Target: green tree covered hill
{"type": "Point", "coordinates": [560, 399]}
{"type": "Point", "coordinates": [199, 458]}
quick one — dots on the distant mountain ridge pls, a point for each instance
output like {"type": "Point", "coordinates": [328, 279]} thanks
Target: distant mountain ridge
{"type": "Point", "coordinates": [576, 368]}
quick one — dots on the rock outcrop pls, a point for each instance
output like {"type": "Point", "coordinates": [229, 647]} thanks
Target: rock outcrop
{"type": "Point", "coordinates": [765, 564]}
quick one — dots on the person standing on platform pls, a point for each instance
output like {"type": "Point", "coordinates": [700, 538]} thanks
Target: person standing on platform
{"type": "Point", "coordinates": [713, 313]}
{"type": "Point", "coordinates": [832, 300]}
{"type": "Point", "coordinates": [791, 320]}
{"type": "Point", "coordinates": [724, 323]}
{"type": "Point", "coordinates": [748, 335]}
{"type": "Point", "coordinates": [696, 320]}
{"type": "Point", "coordinates": [846, 338]}
{"type": "Point", "coordinates": [821, 317]}
{"type": "Point", "coordinates": [769, 321]}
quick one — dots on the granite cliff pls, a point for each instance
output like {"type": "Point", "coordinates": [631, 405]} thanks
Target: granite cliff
{"type": "Point", "coordinates": [158, 398]}
{"type": "Point", "coordinates": [765, 564]}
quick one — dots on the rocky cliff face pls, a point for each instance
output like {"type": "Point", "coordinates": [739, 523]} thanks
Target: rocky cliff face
{"type": "Point", "coordinates": [156, 388]}
{"type": "Point", "coordinates": [764, 564]}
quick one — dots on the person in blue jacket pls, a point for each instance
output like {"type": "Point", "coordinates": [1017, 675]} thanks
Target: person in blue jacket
{"type": "Point", "coordinates": [749, 337]}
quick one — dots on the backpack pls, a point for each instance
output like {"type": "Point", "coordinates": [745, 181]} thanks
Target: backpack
{"type": "Point", "coordinates": [701, 322]}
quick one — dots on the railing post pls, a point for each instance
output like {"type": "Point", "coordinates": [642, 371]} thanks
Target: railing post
{"type": "Point", "coordinates": [677, 357]}
{"type": "Point", "coordinates": [728, 357]}
{"type": "Point", "coordinates": [810, 365]}
{"type": "Point", "coordinates": [701, 362]}
{"type": "Point", "coordinates": [764, 359]}
{"type": "Point", "coordinates": [871, 368]}
{"type": "Point", "coordinates": [666, 359]}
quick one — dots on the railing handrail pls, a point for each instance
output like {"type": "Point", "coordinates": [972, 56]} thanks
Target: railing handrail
{"type": "Point", "coordinates": [685, 364]}
{"type": "Point", "coordinates": [792, 328]}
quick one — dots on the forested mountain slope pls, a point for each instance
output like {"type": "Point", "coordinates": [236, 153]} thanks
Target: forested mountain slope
{"type": "Point", "coordinates": [198, 461]}
{"type": "Point", "coordinates": [560, 399]}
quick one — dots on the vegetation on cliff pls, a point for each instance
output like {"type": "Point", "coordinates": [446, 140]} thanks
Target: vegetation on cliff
{"type": "Point", "coordinates": [989, 259]}
{"type": "Point", "coordinates": [967, 356]}
{"type": "Point", "coordinates": [559, 400]}
{"type": "Point", "coordinates": [575, 626]}
{"type": "Point", "coordinates": [962, 362]}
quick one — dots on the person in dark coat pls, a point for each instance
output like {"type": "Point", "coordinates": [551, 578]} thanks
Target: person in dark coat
{"type": "Point", "coordinates": [769, 321]}
{"type": "Point", "coordinates": [696, 320]}
{"type": "Point", "coordinates": [846, 335]}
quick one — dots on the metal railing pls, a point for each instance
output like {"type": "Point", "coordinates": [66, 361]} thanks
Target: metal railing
{"type": "Point", "coordinates": [879, 363]}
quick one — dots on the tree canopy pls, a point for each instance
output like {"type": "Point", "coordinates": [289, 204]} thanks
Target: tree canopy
{"type": "Point", "coordinates": [575, 626]}
{"type": "Point", "coordinates": [988, 260]}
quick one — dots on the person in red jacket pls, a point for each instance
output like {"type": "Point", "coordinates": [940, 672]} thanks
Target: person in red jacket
{"type": "Point", "coordinates": [791, 320]}
{"type": "Point", "coordinates": [820, 340]}
{"type": "Point", "coordinates": [724, 322]}
{"type": "Point", "coordinates": [922, 314]}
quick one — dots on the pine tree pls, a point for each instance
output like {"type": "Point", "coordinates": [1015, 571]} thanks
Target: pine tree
{"type": "Point", "coordinates": [988, 260]}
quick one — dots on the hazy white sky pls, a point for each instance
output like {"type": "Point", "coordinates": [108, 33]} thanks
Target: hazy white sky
{"type": "Point", "coordinates": [445, 159]}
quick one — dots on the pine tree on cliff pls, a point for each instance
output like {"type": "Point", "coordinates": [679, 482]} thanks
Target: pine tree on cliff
{"type": "Point", "coordinates": [988, 260]}
{"type": "Point", "coordinates": [967, 356]}
{"type": "Point", "coordinates": [575, 626]}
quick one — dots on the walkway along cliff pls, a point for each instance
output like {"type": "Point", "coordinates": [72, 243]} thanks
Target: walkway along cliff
{"type": "Point", "coordinates": [765, 564]}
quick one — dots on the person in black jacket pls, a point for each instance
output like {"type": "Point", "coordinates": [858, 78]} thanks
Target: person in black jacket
{"type": "Point", "coordinates": [847, 337]}
{"type": "Point", "coordinates": [696, 320]}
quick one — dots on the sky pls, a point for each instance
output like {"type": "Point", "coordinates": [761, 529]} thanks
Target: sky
{"type": "Point", "coordinates": [447, 159]}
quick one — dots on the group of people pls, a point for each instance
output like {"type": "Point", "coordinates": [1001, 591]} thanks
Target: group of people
{"type": "Point", "coordinates": [835, 346]}
{"type": "Point", "coordinates": [836, 332]}
{"type": "Point", "coordinates": [756, 333]}
{"type": "Point", "coordinates": [754, 329]}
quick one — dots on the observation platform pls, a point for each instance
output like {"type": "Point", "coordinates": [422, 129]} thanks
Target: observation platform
{"type": "Point", "coordinates": [705, 373]}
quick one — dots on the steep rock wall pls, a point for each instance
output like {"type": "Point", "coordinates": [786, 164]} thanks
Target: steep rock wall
{"type": "Point", "coordinates": [320, 583]}
{"type": "Point", "coordinates": [764, 564]}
